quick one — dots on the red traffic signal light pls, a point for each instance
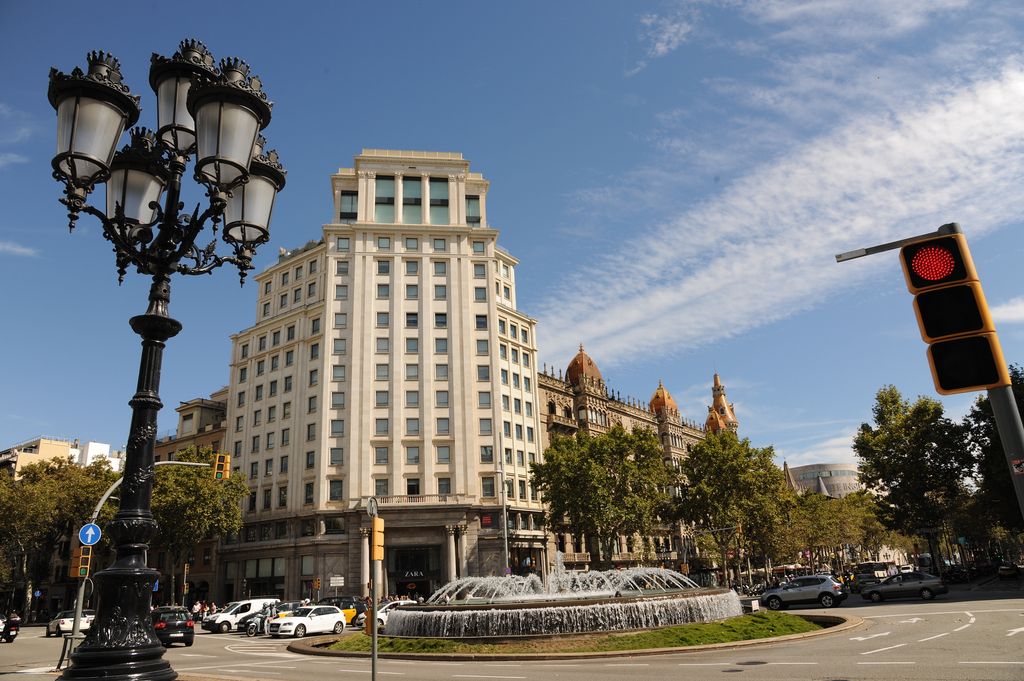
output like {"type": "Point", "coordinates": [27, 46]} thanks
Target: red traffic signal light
{"type": "Point", "coordinates": [952, 315]}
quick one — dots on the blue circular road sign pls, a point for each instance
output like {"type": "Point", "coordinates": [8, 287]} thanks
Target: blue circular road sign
{"type": "Point", "coordinates": [89, 534]}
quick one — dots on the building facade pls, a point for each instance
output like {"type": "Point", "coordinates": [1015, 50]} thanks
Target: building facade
{"type": "Point", "coordinates": [16, 457]}
{"type": "Point", "coordinates": [579, 400]}
{"type": "Point", "coordinates": [388, 359]}
{"type": "Point", "coordinates": [834, 480]}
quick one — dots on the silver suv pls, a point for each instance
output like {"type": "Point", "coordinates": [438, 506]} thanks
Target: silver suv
{"type": "Point", "coordinates": [821, 589]}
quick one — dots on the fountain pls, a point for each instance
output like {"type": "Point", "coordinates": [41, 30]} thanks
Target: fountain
{"type": "Point", "coordinates": [568, 603]}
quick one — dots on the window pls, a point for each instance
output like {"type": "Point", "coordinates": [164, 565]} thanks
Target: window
{"type": "Point", "coordinates": [383, 344]}
{"type": "Point", "coordinates": [337, 427]}
{"type": "Point", "coordinates": [485, 426]}
{"type": "Point", "coordinates": [479, 270]}
{"type": "Point", "coordinates": [412, 320]}
{"type": "Point", "coordinates": [348, 208]}
{"type": "Point", "coordinates": [412, 204]}
{"type": "Point", "coordinates": [483, 399]}
{"type": "Point", "coordinates": [286, 410]}
{"type": "Point", "coordinates": [526, 359]}
{"type": "Point", "coordinates": [383, 267]}
{"type": "Point", "coordinates": [381, 427]}
{"type": "Point", "coordinates": [245, 350]}
{"type": "Point", "coordinates": [284, 300]}
{"type": "Point", "coordinates": [289, 358]}
{"type": "Point", "coordinates": [482, 346]}
{"type": "Point", "coordinates": [381, 398]}
{"type": "Point", "coordinates": [341, 292]}
{"type": "Point", "coordinates": [383, 243]}
{"type": "Point", "coordinates": [266, 499]}
{"type": "Point", "coordinates": [266, 309]}
{"type": "Point", "coordinates": [383, 291]}
{"type": "Point", "coordinates": [502, 351]}
{"type": "Point", "coordinates": [412, 372]}
{"type": "Point", "coordinates": [412, 266]}
{"type": "Point", "coordinates": [440, 292]}
{"type": "Point", "coordinates": [310, 432]}
{"type": "Point", "coordinates": [284, 278]}
{"type": "Point", "coordinates": [261, 367]}
{"type": "Point", "coordinates": [287, 384]}
{"type": "Point", "coordinates": [254, 470]}
{"type": "Point", "coordinates": [411, 242]}
{"type": "Point", "coordinates": [507, 429]}
{"type": "Point", "coordinates": [504, 403]}
{"type": "Point", "coordinates": [311, 289]}
{"type": "Point", "coordinates": [380, 455]}
{"type": "Point", "coordinates": [505, 291]}
{"type": "Point", "coordinates": [444, 454]}
{"type": "Point", "coordinates": [270, 440]}
{"type": "Point", "coordinates": [473, 218]}
{"type": "Point", "coordinates": [334, 490]}
{"type": "Point", "coordinates": [341, 268]}
{"type": "Point", "coordinates": [412, 291]}
{"type": "Point", "coordinates": [340, 346]}
{"type": "Point", "coordinates": [340, 320]}
{"type": "Point", "coordinates": [384, 199]}
{"type": "Point", "coordinates": [412, 455]}
{"type": "Point", "coordinates": [380, 487]}
{"type": "Point", "coordinates": [338, 372]}
{"type": "Point", "coordinates": [310, 459]}
{"type": "Point", "coordinates": [515, 356]}
{"type": "Point", "coordinates": [440, 268]}
{"type": "Point", "coordinates": [486, 454]}
{"type": "Point", "coordinates": [262, 343]}
{"type": "Point", "coordinates": [383, 372]}
{"type": "Point", "coordinates": [438, 201]}
{"type": "Point", "coordinates": [282, 497]}
{"type": "Point", "coordinates": [441, 398]}
{"type": "Point", "coordinates": [337, 456]}
{"type": "Point", "coordinates": [242, 374]}
{"type": "Point", "coordinates": [515, 380]}
{"type": "Point", "coordinates": [480, 294]}
{"type": "Point", "coordinates": [441, 320]}
{"type": "Point", "coordinates": [522, 489]}
{"type": "Point", "coordinates": [259, 393]}
{"type": "Point", "coordinates": [412, 426]}
{"type": "Point", "coordinates": [519, 457]}
{"type": "Point", "coordinates": [519, 431]}
{"type": "Point", "coordinates": [312, 266]}
{"type": "Point", "coordinates": [266, 287]}
{"type": "Point", "coordinates": [239, 422]}
{"type": "Point", "coordinates": [486, 487]}
{"type": "Point", "coordinates": [255, 444]}
{"type": "Point", "coordinates": [268, 467]}
{"type": "Point", "coordinates": [526, 384]}
{"type": "Point", "coordinates": [518, 405]}
{"type": "Point", "coordinates": [444, 485]}
{"type": "Point", "coordinates": [286, 436]}
{"type": "Point", "coordinates": [529, 433]}
{"type": "Point", "coordinates": [504, 376]}
{"type": "Point", "coordinates": [337, 400]}
{"type": "Point", "coordinates": [275, 362]}
{"type": "Point", "coordinates": [478, 246]}
{"type": "Point", "coordinates": [501, 326]}
{"type": "Point", "coordinates": [297, 295]}
{"type": "Point", "coordinates": [441, 372]}
{"type": "Point", "coordinates": [314, 326]}
{"type": "Point", "coordinates": [441, 346]}
{"type": "Point", "coordinates": [481, 322]}
{"type": "Point", "coordinates": [314, 351]}
{"type": "Point", "coordinates": [383, 319]}
{"type": "Point", "coordinates": [308, 496]}
{"type": "Point", "coordinates": [314, 376]}
{"type": "Point", "coordinates": [529, 408]}
{"type": "Point", "coordinates": [412, 345]}
{"type": "Point", "coordinates": [483, 372]}
{"type": "Point", "coordinates": [412, 398]}
{"type": "Point", "coordinates": [443, 427]}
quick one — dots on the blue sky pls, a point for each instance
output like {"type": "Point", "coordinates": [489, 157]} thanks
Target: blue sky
{"type": "Point", "coordinates": [675, 177]}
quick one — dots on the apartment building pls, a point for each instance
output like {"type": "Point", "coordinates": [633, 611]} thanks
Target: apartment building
{"type": "Point", "coordinates": [387, 359]}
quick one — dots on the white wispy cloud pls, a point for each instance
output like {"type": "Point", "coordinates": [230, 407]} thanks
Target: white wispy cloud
{"type": "Point", "coordinates": [12, 248]}
{"type": "Point", "coordinates": [837, 448]}
{"type": "Point", "coordinates": [763, 249]}
{"type": "Point", "coordinates": [1010, 312]}
{"type": "Point", "coordinates": [661, 34]}
{"type": "Point", "coordinates": [9, 159]}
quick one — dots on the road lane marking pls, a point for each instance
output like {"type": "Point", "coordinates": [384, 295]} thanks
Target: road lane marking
{"type": "Point", "coordinates": [628, 664]}
{"type": "Point", "coordinates": [367, 671]}
{"type": "Point", "coordinates": [865, 638]}
{"type": "Point", "coordinates": [943, 612]}
{"type": "Point", "coordinates": [886, 663]}
{"type": "Point", "coordinates": [961, 628]}
{"type": "Point", "coordinates": [880, 650]}
{"type": "Point", "coordinates": [481, 676]}
{"type": "Point", "coordinates": [792, 663]}
{"type": "Point", "coordinates": [705, 664]}
{"type": "Point", "coordinates": [912, 620]}
{"type": "Point", "coordinates": [931, 637]}
{"type": "Point", "coordinates": [992, 662]}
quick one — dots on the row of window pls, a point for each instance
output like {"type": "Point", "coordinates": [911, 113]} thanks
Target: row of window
{"type": "Point", "coordinates": [310, 267]}
{"type": "Point", "coordinates": [411, 244]}
{"type": "Point", "coordinates": [296, 298]}
{"type": "Point", "coordinates": [275, 338]}
{"type": "Point", "coordinates": [343, 244]}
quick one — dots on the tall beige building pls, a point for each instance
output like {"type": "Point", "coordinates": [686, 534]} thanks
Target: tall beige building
{"type": "Point", "coordinates": [387, 360]}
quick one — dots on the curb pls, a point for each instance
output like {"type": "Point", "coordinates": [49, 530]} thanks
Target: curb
{"type": "Point", "coordinates": [839, 623]}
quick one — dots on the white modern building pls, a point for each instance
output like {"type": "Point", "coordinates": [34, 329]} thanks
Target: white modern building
{"type": "Point", "coordinates": [387, 360]}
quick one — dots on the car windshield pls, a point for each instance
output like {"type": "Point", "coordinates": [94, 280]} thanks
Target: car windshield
{"type": "Point", "coordinates": [173, 616]}
{"type": "Point", "coordinates": [302, 612]}
{"type": "Point", "coordinates": [67, 614]}
{"type": "Point", "coordinates": [233, 609]}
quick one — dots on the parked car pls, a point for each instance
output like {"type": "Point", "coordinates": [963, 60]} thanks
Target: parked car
{"type": "Point", "coordinates": [287, 608]}
{"type": "Point", "coordinates": [905, 585]}
{"type": "Point", "coordinates": [225, 620]}
{"type": "Point", "coordinates": [821, 589]}
{"type": "Point", "coordinates": [64, 622]}
{"type": "Point", "coordinates": [386, 609]}
{"type": "Point", "coordinates": [343, 602]}
{"type": "Point", "coordinates": [309, 620]}
{"type": "Point", "coordinates": [173, 624]}
{"type": "Point", "coordinates": [1008, 571]}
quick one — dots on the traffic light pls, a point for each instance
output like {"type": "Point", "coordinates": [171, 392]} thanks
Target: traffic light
{"type": "Point", "coordinates": [222, 467]}
{"type": "Point", "coordinates": [316, 583]}
{"type": "Point", "coordinates": [377, 548]}
{"type": "Point", "coordinates": [953, 317]}
{"type": "Point", "coordinates": [184, 580]}
{"type": "Point", "coordinates": [81, 558]}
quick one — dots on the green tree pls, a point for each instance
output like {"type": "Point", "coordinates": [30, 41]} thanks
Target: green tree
{"type": "Point", "coordinates": [994, 484]}
{"type": "Point", "coordinates": [728, 483]}
{"type": "Point", "coordinates": [605, 485]}
{"type": "Point", "coordinates": [189, 505]}
{"type": "Point", "coordinates": [916, 458]}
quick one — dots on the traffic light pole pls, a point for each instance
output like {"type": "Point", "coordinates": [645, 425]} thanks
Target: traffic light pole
{"type": "Point", "coordinates": [1011, 432]}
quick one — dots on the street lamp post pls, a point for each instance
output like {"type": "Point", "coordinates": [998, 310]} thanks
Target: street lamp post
{"type": "Point", "coordinates": [216, 115]}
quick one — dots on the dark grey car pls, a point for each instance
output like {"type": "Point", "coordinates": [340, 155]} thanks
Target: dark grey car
{"type": "Point", "coordinates": [814, 589]}
{"type": "Point", "coordinates": [905, 585]}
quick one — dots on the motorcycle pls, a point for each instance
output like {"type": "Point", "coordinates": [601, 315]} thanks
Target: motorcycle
{"type": "Point", "coordinates": [11, 628]}
{"type": "Point", "coordinates": [258, 624]}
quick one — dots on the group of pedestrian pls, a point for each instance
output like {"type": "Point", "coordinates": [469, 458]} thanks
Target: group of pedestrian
{"type": "Point", "coordinates": [201, 610]}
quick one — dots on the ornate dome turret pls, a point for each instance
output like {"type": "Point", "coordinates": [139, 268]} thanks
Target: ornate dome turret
{"type": "Point", "coordinates": [662, 400]}
{"type": "Point", "coordinates": [721, 415]}
{"type": "Point", "coordinates": [581, 367]}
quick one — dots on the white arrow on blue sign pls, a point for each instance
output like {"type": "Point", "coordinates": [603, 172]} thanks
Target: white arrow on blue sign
{"type": "Point", "coordinates": [89, 534]}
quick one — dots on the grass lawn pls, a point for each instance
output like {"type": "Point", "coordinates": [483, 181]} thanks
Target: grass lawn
{"type": "Point", "coordinates": [762, 624]}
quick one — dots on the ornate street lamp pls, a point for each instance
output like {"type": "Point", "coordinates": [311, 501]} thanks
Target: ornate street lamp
{"type": "Point", "coordinates": [215, 114]}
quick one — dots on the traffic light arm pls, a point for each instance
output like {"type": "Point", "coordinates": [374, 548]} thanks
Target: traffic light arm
{"type": "Point", "coordinates": [944, 230]}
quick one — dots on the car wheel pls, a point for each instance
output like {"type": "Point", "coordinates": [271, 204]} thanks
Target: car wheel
{"type": "Point", "coordinates": [48, 634]}
{"type": "Point", "coordinates": [300, 631]}
{"type": "Point", "coordinates": [876, 597]}
{"type": "Point", "coordinates": [827, 600]}
{"type": "Point", "coordinates": [774, 603]}
{"type": "Point", "coordinates": [380, 624]}
{"type": "Point", "coordinates": [339, 627]}
{"type": "Point", "coordinates": [188, 644]}
{"type": "Point", "coordinates": [224, 627]}
{"type": "Point", "coordinates": [927, 594]}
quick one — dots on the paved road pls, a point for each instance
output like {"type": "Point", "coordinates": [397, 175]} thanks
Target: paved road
{"type": "Point", "coordinates": [976, 636]}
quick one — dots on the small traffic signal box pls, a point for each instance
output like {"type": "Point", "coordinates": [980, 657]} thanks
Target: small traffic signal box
{"type": "Point", "coordinates": [953, 317]}
{"type": "Point", "coordinates": [222, 467]}
{"type": "Point", "coordinates": [81, 558]}
{"type": "Point", "coordinates": [316, 583]}
{"type": "Point", "coordinates": [377, 543]}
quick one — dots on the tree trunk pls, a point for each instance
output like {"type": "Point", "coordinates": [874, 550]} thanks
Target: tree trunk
{"type": "Point", "coordinates": [28, 585]}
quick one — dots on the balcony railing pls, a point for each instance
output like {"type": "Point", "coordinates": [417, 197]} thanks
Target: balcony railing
{"type": "Point", "coordinates": [418, 499]}
{"type": "Point", "coordinates": [565, 421]}
{"type": "Point", "coordinates": [575, 557]}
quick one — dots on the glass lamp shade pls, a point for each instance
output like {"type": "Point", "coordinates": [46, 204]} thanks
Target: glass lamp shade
{"type": "Point", "coordinates": [248, 211]}
{"type": "Point", "coordinates": [93, 110]}
{"type": "Point", "coordinates": [171, 79]}
{"type": "Point", "coordinates": [225, 141]}
{"type": "Point", "coordinates": [133, 189]}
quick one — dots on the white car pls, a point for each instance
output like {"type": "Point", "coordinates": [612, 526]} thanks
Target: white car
{"type": "Point", "coordinates": [312, 619]}
{"type": "Point", "coordinates": [382, 613]}
{"type": "Point", "coordinates": [64, 622]}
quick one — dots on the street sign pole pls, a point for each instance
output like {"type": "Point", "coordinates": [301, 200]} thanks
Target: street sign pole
{"type": "Point", "coordinates": [1011, 432]}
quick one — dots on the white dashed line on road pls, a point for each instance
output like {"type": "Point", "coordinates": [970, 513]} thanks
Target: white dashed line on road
{"type": "Point", "coordinates": [922, 640]}
{"type": "Point", "coordinates": [881, 650]}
